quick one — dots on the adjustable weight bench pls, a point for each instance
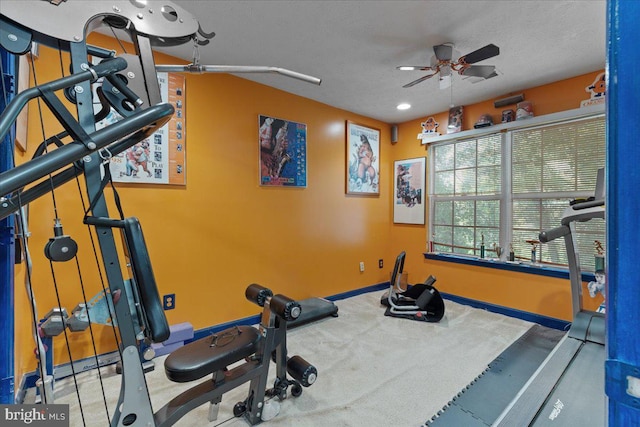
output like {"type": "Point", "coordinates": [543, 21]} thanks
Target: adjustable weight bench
{"type": "Point", "coordinates": [212, 355]}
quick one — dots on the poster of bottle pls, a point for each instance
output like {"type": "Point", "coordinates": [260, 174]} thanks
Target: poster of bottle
{"type": "Point", "coordinates": [160, 158]}
{"type": "Point", "coordinates": [283, 152]}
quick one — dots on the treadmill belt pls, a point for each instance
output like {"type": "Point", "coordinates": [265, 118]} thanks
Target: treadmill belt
{"type": "Point", "coordinates": [482, 402]}
{"type": "Point", "coordinates": [578, 400]}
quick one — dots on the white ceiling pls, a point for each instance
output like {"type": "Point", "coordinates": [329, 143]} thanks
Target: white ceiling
{"type": "Point", "coordinates": [355, 46]}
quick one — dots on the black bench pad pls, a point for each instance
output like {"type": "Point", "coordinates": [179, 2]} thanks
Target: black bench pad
{"type": "Point", "coordinates": [198, 358]}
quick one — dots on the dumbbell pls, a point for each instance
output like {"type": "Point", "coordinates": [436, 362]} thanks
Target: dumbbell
{"type": "Point", "coordinates": [54, 322]}
{"type": "Point", "coordinates": [79, 320]}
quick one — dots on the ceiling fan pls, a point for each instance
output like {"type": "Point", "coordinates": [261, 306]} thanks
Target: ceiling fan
{"type": "Point", "coordinates": [442, 64]}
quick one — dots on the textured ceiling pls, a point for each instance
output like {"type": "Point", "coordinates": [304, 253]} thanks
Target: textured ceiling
{"type": "Point", "coordinates": [355, 46]}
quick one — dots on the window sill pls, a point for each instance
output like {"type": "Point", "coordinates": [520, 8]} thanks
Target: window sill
{"type": "Point", "coordinates": [518, 266]}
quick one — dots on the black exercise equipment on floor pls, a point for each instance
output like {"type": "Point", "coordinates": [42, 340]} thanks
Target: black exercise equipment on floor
{"type": "Point", "coordinates": [256, 347]}
{"type": "Point", "coordinates": [418, 302]}
{"type": "Point", "coordinates": [314, 309]}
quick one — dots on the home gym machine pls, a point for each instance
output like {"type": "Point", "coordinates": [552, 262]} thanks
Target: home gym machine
{"type": "Point", "coordinates": [566, 383]}
{"type": "Point", "coordinates": [128, 84]}
{"type": "Point", "coordinates": [418, 302]}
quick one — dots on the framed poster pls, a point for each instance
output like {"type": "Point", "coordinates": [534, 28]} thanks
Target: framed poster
{"type": "Point", "coordinates": [408, 192]}
{"type": "Point", "coordinates": [283, 152]}
{"type": "Point", "coordinates": [363, 160]}
{"type": "Point", "coordinates": [160, 158]}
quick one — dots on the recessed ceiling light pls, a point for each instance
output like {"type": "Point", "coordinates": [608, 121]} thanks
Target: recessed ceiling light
{"type": "Point", "coordinates": [406, 68]}
{"type": "Point", "coordinates": [403, 106]}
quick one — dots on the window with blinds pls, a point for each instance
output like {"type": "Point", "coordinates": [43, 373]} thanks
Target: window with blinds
{"type": "Point", "coordinates": [467, 185]}
{"type": "Point", "coordinates": [550, 166]}
{"type": "Point", "coordinates": [547, 167]}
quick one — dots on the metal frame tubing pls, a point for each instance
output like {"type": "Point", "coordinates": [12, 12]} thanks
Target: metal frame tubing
{"type": "Point", "coordinates": [623, 180]}
{"type": "Point", "coordinates": [7, 250]}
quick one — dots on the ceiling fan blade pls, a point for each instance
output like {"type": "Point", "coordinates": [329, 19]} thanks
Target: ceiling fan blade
{"type": "Point", "coordinates": [483, 71]}
{"type": "Point", "coordinates": [494, 74]}
{"type": "Point", "coordinates": [443, 52]}
{"type": "Point", "coordinates": [489, 51]}
{"type": "Point", "coordinates": [413, 68]}
{"type": "Point", "coordinates": [420, 80]}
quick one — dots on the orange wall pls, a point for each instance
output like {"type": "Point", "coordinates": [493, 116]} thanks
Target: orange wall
{"type": "Point", "coordinates": [537, 294]}
{"type": "Point", "coordinates": [211, 238]}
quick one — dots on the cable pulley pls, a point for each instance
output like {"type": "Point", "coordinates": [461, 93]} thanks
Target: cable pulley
{"type": "Point", "coordinates": [60, 247]}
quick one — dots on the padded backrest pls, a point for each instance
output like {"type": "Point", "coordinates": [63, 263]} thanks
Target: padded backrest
{"type": "Point", "coordinates": [397, 268]}
{"type": "Point", "coordinates": [156, 325]}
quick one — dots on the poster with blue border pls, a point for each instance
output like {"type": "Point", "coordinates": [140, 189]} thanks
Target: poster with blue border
{"type": "Point", "coordinates": [283, 152]}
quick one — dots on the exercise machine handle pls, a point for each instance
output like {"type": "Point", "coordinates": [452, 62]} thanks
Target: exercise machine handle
{"type": "Point", "coordinates": [554, 233]}
{"type": "Point", "coordinates": [285, 307]}
{"type": "Point", "coordinates": [257, 294]}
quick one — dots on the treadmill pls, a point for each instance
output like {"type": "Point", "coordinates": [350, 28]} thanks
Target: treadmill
{"type": "Point", "coordinates": [568, 388]}
{"type": "Point", "coordinates": [534, 383]}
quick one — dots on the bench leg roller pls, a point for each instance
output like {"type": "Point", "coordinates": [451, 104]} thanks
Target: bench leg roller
{"type": "Point", "coordinates": [302, 370]}
{"type": "Point", "coordinates": [257, 294]}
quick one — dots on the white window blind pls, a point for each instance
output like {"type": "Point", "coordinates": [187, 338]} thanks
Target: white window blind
{"type": "Point", "coordinates": [547, 167]}
{"type": "Point", "coordinates": [550, 166]}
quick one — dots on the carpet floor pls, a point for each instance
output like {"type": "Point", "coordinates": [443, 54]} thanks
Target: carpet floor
{"type": "Point", "coordinates": [372, 370]}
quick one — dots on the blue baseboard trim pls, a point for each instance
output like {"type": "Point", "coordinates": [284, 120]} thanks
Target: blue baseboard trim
{"type": "Point", "coordinates": [549, 322]}
{"type": "Point", "coordinates": [349, 294]}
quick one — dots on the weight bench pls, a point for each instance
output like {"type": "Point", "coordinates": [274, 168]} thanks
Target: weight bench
{"type": "Point", "coordinates": [255, 347]}
{"type": "Point", "coordinates": [418, 302]}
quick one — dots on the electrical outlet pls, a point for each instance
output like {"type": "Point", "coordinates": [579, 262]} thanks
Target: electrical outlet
{"type": "Point", "coordinates": [169, 301]}
{"type": "Point", "coordinates": [361, 266]}
{"type": "Point", "coordinates": [380, 263]}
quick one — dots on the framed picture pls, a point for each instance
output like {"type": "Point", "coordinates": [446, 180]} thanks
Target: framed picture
{"type": "Point", "coordinates": [160, 158]}
{"type": "Point", "coordinates": [363, 160]}
{"type": "Point", "coordinates": [409, 191]}
{"type": "Point", "coordinates": [283, 152]}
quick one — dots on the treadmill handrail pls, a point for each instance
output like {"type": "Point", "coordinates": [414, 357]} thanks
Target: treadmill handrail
{"type": "Point", "coordinates": [588, 204]}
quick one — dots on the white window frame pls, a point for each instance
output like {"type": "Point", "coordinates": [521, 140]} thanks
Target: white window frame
{"type": "Point", "coordinates": [506, 197]}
